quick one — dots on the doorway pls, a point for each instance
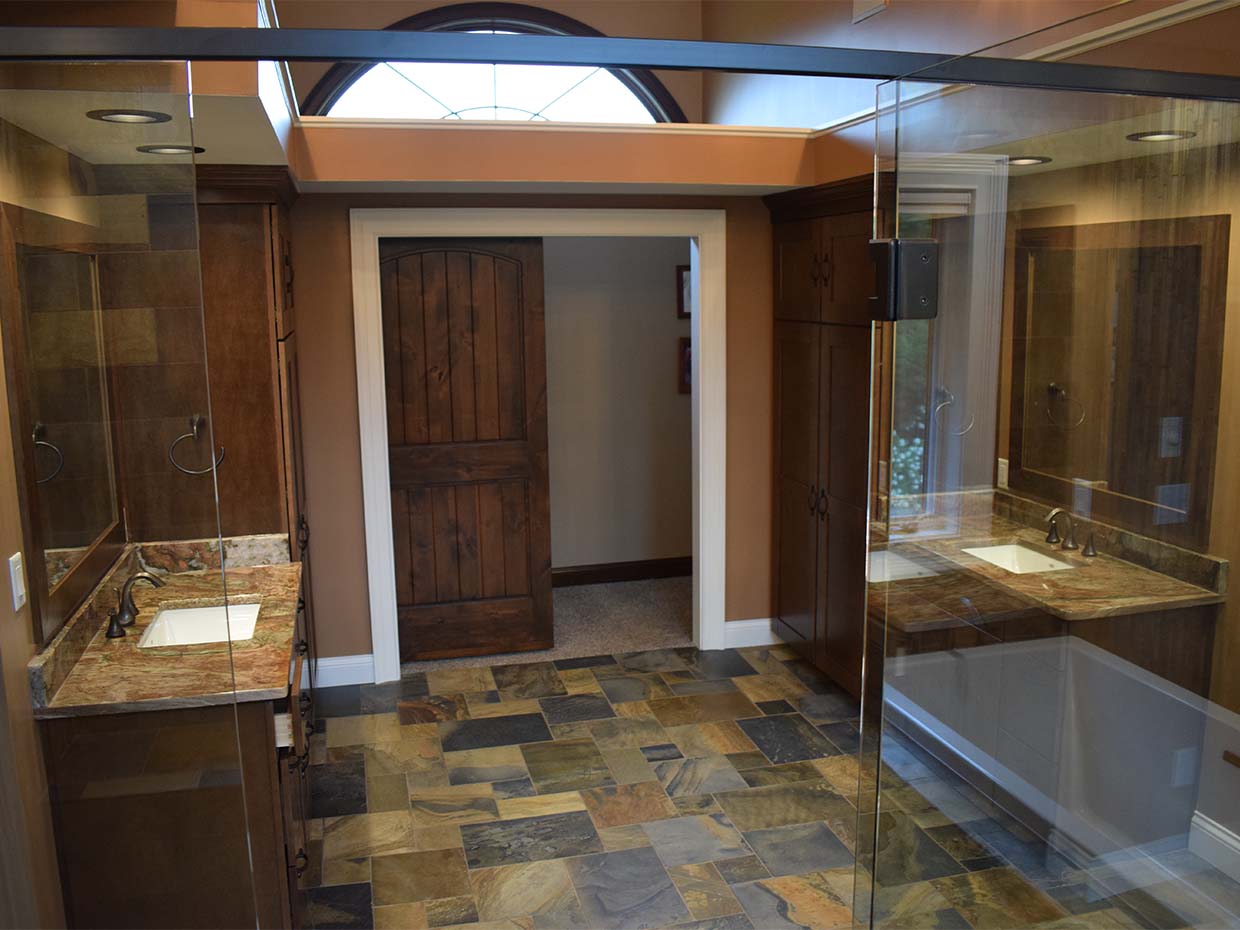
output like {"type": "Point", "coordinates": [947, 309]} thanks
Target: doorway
{"type": "Point", "coordinates": [705, 231]}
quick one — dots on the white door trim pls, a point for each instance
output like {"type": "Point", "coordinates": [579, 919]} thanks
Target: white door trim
{"type": "Point", "coordinates": [706, 231]}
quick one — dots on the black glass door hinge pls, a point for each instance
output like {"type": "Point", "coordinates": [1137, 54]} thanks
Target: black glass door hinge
{"type": "Point", "coordinates": [908, 279]}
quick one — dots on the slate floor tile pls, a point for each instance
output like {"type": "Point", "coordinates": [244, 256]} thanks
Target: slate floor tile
{"type": "Point", "coordinates": [704, 686]}
{"type": "Point", "coordinates": [784, 805]}
{"type": "Point", "coordinates": [566, 765]}
{"type": "Point", "coordinates": [542, 890]}
{"type": "Point", "coordinates": [585, 662]}
{"type": "Point", "coordinates": [340, 907]}
{"type": "Point", "coordinates": [419, 876]}
{"type": "Point", "coordinates": [686, 840]}
{"type": "Point", "coordinates": [716, 663]}
{"type": "Point", "coordinates": [704, 891]}
{"type": "Point", "coordinates": [383, 834]}
{"type": "Point", "coordinates": [905, 853]}
{"type": "Point", "coordinates": [620, 805]}
{"type": "Point", "coordinates": [457, 804]}
{"type": "Point", "coordinates": [702, 708]}
{"type": "Point", "coordinates": [627, 687]}
{"type": "Point", "coordinates": [795, 850]}
{"type": "Point", "coordinates": [432, 708]}
{"type": "Point", "coordinates": [652, 660]}
{"type": "Point", "coordinates": [829, 706]}
{"type": "Point", "coordinates": [626, 890]}
{"type": "Point", "coordinates": [779, 706]}
{"type": "Point", "coordinates": [661, 753]}
{"type": "Point", "coordinates": [338, 788]}
{"type": "Point", "coordinates": [731, 922]}
{"type": "Point", "coordinates": [493, 731]}
{"type": "Point", "coordinates": [843, 734]}
{"type": "Point", "coordinates": [474, 766]}
{"type": "Point", "coordinates": [787, 738]}
{"type": "Point", "coordinates": [818, 900]}
{"type": "Point", "coordinates": [457, 680]}
{"type": "Point", "coordinates": [383, 698]}
{"type": "Point", "coordinates": [342, 701]}
{"type": "Point", "coordinates": [744, 869]}
{"type": "Point", "coordinates": [530, 839]}
{"type": "Point", "coordinates": [452, 912]}
{"type": "Point", "coordinates": [705, 775]}
{"type": "Point", "coordinates": [997, 898]}
{"type": "Point", "coordinates": [786, 774]}
{"type": "Point", "coordinates": [575, 707]}
{"type": "Point", "coordinates": [528, 680]}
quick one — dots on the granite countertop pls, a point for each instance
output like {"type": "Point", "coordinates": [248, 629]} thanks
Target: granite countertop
{"type": "Point", "coordinates": [115, 676]}
{"type": "Point", "coordinates": [965, 588]}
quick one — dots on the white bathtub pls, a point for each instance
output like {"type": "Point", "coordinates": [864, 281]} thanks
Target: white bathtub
{"type": "Point", "coordinates": [1113, 757]}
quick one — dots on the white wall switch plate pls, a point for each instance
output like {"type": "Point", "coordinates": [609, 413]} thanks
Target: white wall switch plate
{"type": "Point", "coordinates": [17, 580]}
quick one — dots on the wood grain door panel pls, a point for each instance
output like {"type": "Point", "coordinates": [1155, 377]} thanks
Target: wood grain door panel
{"type": "Point", "coordinates": [849, 276]}
{"type": "Point", "coordinates": [466, 400]}
{"type": "Point", "coordinates": [797, 267]}
{"type": "Point", "coordinates": [796, 380]}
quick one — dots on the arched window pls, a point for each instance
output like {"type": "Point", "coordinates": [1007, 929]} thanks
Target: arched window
{"type": "Point", "coordinates": [413, 90]}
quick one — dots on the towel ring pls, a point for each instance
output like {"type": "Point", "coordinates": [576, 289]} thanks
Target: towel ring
{"type": "Point", "coordinates": [1053, 391]}
{"type": "Point", "coordinates": [948, 400]}
{"type": "Point", "coordinates": [196, 422]}
{"type": "Point", "coordinates": [36, 436]}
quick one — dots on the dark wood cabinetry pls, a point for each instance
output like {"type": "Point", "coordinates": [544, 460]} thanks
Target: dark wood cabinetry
{"type": "Point", "coordinates": [824, 280]}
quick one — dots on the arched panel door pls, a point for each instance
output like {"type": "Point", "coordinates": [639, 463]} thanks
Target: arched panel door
{"type": "Point", "coordinates": [465, 372]}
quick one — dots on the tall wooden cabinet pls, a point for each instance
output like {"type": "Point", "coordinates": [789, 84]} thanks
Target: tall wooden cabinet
{"type": "Point", "coordinates": [824, 279]}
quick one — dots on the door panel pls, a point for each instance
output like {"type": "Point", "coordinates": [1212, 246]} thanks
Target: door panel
{"type": "Point", "coordinates": [466, 391]}
{"type": "Point", "coordinates": [846, 404]}
{"type": "Point", "coordinates": [796, 372]}
{"type": "Point", "coordinates": [796, 270]}
{"type": "Point", "coordinates": [839, 644]}
{"type": "Point", "coordinates": [849, 278]}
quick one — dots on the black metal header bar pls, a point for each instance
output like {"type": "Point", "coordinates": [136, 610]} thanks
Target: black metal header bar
{"type": "Point", "coordinates": [367, 45]}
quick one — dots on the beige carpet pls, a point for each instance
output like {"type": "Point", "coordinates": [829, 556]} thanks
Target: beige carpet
{"type": "Point", "coordinates": [600, 619]}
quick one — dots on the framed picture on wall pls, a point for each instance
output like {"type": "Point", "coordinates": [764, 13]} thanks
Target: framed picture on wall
{"type": "Point", "coordinates": [684, 292]}
{"type": "Point", "coordinates": [684, 366]}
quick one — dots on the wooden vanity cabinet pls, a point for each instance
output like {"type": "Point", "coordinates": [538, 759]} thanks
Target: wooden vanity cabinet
{"type": "Point", "coordinates": [190, 817]}
{"type": "Point", "coordinates": [824, 280]}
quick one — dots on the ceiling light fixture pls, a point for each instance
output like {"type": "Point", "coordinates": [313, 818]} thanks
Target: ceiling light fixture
{"type": "Point", "coordinates": [128, 116]}
{"type": "Point", "coordinates": [170, 149]}
{"type": "Point", "coordinates": [1161, 135]}
{"type": "Point", "coordinates": [1021, 161]}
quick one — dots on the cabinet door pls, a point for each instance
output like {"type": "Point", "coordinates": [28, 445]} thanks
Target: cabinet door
{"type": "Point", "coordinates": [848, 274]}
{"type": "Point", "coordinates": [796, 373]}
{"type": "Point", "coordinates": [294, 804]}
{"type": "Point", "coordinates": [844, 471]}
{"type": "Point", "coordinates": [797, 270]}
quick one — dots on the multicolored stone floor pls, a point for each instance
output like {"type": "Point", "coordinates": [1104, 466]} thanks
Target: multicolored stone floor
{"type": "Point", "coordinates": [659, 789]}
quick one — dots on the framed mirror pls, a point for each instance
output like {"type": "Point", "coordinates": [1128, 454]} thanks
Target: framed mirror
{"type": "Point", "coordinates": [62, 420]}
{"type": "Point", "coordinates": [1116, 366]}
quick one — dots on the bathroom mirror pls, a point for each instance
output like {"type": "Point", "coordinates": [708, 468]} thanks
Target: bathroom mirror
{"type": "Point", "coordinates": [1116, 363]}
{"type": "Point", "coordinates": [61, 414]}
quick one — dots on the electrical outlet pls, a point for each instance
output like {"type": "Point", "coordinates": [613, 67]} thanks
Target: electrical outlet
{"type": "Point", "coordinates": [17, 580]}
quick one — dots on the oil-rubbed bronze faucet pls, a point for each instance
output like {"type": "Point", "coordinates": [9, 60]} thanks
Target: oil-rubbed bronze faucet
{"type": "Point", "coordinates": [126, 613]}
{"type": "Point", "coordinates": [1052, 537]}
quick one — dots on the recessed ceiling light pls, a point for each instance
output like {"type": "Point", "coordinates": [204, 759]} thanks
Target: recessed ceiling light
{"type": "Point", "coordinates": [1022, 160]}
{"type": "Point", "coordinates": [170, 149]}
{"type": "Point", "coordinates": [129, 116]}
{"type": "Point", "coordinates": [1161, 135]}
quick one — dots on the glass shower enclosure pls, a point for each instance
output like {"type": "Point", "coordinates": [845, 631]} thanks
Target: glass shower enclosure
{"type": "Point", "coordinates": [1051, 736]}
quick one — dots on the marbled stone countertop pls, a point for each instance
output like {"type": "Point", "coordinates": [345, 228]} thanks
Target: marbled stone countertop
{"type": "Point", "coordinates": [114, 676]}
{"type": "Point", "coordinates": [963, 587]}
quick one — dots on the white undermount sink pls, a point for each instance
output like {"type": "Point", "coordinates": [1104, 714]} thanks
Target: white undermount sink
{"type": "Point", "coordinates": [188, 626]}
{"type": "Point", "coordinates": [886, 565]}
{"type": "Point", "coordinates": [1018, 559]}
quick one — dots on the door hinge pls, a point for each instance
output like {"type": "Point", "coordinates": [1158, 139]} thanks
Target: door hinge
{"type": "Point", "coordinates": [908, 279]}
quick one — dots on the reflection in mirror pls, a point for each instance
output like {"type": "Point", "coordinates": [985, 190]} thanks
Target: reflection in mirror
{"type": "Point", "coordinates": [71, 433]}
{"type": "Point", "coordinates": [1117, 360]}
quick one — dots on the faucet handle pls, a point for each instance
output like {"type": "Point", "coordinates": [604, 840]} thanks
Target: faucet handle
{"type": "Point", "coordinates": [1052, 536]}
{"type": "Point", "coordinates": [1070, 540]}
{"type": "Point", "coordinates": [1089, 551]}
{"type": "Point", "coordinates": [115, 629]}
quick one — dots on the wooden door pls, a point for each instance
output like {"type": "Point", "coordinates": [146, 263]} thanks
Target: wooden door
{"type": "Point", "coordinates": [849, 278]}
{"type": "Point", "coordinates": [844, 432]}
{"type": "Point", "coordinates": [465, 372]}
{"type": "Point", "coordinates": [796, 385]}
{"type": "Point", "coordinates": [797, 270]}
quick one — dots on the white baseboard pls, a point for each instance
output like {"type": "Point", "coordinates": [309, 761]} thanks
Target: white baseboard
{"type": "Point", "coordinates": [1216, 844]}
{"type": "Point", "coordinates": [740, 633]}
{"type": "Point", "coordinates": [334, 671]}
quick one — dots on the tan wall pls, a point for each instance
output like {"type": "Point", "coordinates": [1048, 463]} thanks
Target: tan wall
{"type": "Point", "coordinates": [35, 842]}
{"type": "Point", "coordinates": [329, 395]}
{"type": "Point", "coordinates": [619, 433]}
{"type": "Point", "coordinates": [664, 19]}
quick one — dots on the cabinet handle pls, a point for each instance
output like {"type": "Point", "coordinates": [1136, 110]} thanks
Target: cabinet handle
{"type": "Point", "coordinates": [822, 505]}
{"type": "Point", "coordinates": [813, 500]}
{"type": "Point", "coordinates": [813, 269]}
{"type": "Point", "coordinates": [300, 861]}
{"type": "Point", "coordinates": [826, 270]}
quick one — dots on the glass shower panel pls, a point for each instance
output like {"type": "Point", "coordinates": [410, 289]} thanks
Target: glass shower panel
{"type": "Point", "coordinates": [1055, 514]}
{"type": "Point", "coordinates": [109, 389]}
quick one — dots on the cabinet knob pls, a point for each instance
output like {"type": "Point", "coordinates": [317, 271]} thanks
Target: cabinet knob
{"type": "Point", "coordinates": [813, 269]}
{"type": "Point", "coordinates": [822, 505]}
{"type": "Point", "coordinates": [813, 500]}
{"type": "Point", "coordinates": [826, 270]}
{"type": "Point", "coordinates": [300, 861]}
